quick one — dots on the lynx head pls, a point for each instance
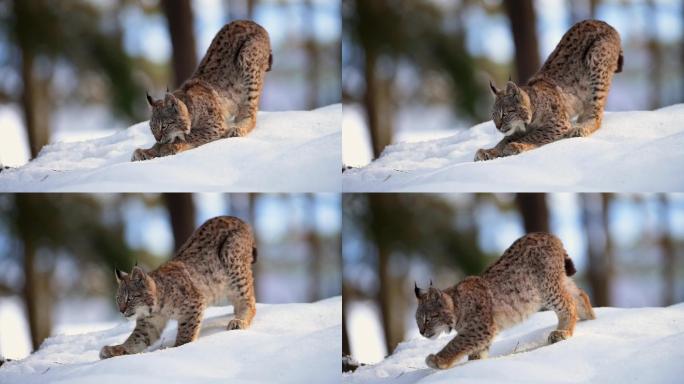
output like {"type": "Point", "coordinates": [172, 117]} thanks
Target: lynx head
{"type": "Point", "coordinates": [170, 119]}
{"type": "Point", "coordinates": [136, 296]}
{"type": "Point", "coordinates": [435, 313]}
{"type": "Point", "coordinates": [512, 111]}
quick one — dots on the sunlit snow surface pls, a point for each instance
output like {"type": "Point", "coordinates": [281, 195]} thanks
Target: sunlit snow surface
{"type": "Point", "coordinates": [297, 151]}
{"type": "Point", "coordinates": [638, 151]}
{"type": "Point", "coordinates": [287, 343]}
{"type": "Point", "coordinates": [636, 345]}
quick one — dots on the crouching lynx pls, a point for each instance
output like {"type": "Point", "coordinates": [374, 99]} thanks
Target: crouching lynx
{"type": "Point", "coordinates": [221, 98]}
{"type": "Point", "coordinates": [531, 274]}
{"type": "Point", "coordinates": [565, 98]}
{"type": "Point", "coordinates": [214, 263]}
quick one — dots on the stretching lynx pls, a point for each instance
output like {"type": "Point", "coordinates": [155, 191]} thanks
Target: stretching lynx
{"type": "Point", "coordinates": [531, 274]}
{"type": "Point", "coordinates": [221, 98]}
{"type": "Point", "coordinates": [214, 263]}
{"type": "Point", "coordinates": [565, 98]}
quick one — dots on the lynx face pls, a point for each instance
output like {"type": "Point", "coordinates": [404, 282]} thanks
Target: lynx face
{"type": "Point", "coordinates": [512, 109]}
{"type": "Point", "coordinates": [170, 119]}
{"type": "Point", "coordinates": [136, 294]}
{"type": "Point", "coordinates": [435, 313]}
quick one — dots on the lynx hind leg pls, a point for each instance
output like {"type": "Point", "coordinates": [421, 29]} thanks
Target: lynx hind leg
{"type": "Point", "coordinates": [253, 62]}
{"type": "Point", "coordinates": [561, 301]}
{"type": "Point", "coordinates": [582, 302]}
{"type": "Point", "coordinates": [602, 63]}
{"type": "Point", "coordinates": [236, 255]}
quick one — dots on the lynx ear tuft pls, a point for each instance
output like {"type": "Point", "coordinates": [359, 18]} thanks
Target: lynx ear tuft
{"type": "Point", "coordinates": [137, 273]}
{"type": "Point", "coordinates": [495, 91]}
{"type": "Point", "coordinates": [417, 290]}
{"type": "Point", "coordinates": [511, 88]}
{"type": "Point", "coordinates": [150, 100]}
{"type": "Point", "coordinates": [119, 275]}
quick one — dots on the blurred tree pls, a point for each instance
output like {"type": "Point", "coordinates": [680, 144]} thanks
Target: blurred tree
{"type": "Point", "coordinates": [71, 35]}
{"type": "Point", "coordinates": [181, 210]}
{"type": "Point", "coordinates": [312, 54]}
{"type": "Point", "coordinates": [655, 53]}
{"type": "Point", "coordinates": [399, 227]}
{"type": "Point", "coordinates": [523, 27]}
{"type": "Point", "coordinates": [71, 226]}
{"type": "Point", "coordinates": [180, 24]}
{"type": "Point", "coordinates": [387, 36]}
{"type": "Point", "coordinates": [534, 211]}
{"type": "Point", "coordinates": [669, 253]}
{"type": "Point", "coordinates": [595, 211]}
{"type": "Point", "coordinates": [315, 250]}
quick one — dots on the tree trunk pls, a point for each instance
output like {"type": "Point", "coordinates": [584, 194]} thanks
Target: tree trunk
{"type": "Point", "coordinates": [181, 210]}
{"type": "Point", "coordinates": [315, 252]}
{"type": "Point", "coordinates": [534, 211]}
{"type": "Point", "coordinates": [669, 253]}
{"type": "Point", "coordinates": [36, 292]}
{"type": "Point", "coordinates": [34, 107]}
{"type": "Point", "coordinates": [523, 27]}
{"type": "Point", "coordinates": [597, 274]}
{"type": "Point", "coordinates": [180, 23]}
{"type": "Point", "coordinates": [311, 48]}
{"type": "Point", "coordinates": [655, 57]}
{"type": "Point", "coordinates": [375, 95]}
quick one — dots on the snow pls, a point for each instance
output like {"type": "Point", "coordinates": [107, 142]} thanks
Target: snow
{"type": "Point", "coordinates": [295, 151]}
{"type": "Point", "coordinates": [636, 345]}
{"type": "Point", "coordinates": [633, 151]}
{"type": "Point", "coordinates": [287, 343]}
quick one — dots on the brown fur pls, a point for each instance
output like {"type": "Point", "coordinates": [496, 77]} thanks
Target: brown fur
{"type": "Point", "coordinates": [531, 274]}
{"type": "Point", "coordinates": [214, 263]}
{"type": "Point", "coordinates": [565, 98]}
{"type": "Point", "coordinates": [220, 100]}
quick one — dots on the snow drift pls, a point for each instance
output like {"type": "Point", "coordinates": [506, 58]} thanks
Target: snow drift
{"type": "Point", "coordinates": [638, 345]}
{"type": "Point", "coordinates": [633, 151]}
{"type": "Point", "coordinates": [296, 151]}
{"type": "Point", "coordinates": [287, 343]}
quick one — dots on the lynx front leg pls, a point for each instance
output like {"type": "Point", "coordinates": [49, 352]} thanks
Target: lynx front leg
{"type": "Point", "coordinates": [468, 343]}
{"type": "Point", "coordinates": [160, 150]}
{"type": "Point", "coordinates": [146, 332]}
{"type": "Point", "coordinates": [189, 326]}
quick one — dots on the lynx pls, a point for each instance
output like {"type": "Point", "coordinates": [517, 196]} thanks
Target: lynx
{"type": "Point", "coordinates": [214, 263]}
{"type": "Point", "coordinates": [565, 98]}
{"type": "Point", "coordinates": [532, 273]}
{"type": "Point", "coordinates": [221, 98]}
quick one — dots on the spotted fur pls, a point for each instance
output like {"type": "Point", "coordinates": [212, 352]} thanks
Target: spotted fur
{"type": "Point", "coordinates": [213, 264]}
{"type": "Point", "coordinates": [533, 273]}
{"type": "Point", "coordinates": [220, 100]}
{"type": "Point", "coordinates": [565, 98]}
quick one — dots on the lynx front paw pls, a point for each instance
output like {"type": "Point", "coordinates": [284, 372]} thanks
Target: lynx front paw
{"type": "Point", "coordinates": [486, 154]}
{"type": "Point", "coordinates": [558, 335]}
{"type": "Point", "coordinates": [140, 155]}
{"type": "Point", "coordinates": [436, 362]}
{"type": "Point", "coordinates": [112, 350]}
{"type": "Point", "coordinates": [236, 324]}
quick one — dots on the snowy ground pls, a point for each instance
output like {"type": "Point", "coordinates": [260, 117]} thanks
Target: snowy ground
{"type": "Point", "coordinates": [287, 343]}
{"type": "Point", "coordinates": [637, 345]}
{"type": "Point", "coordinates": [297, 151]}
{"type": "Point", "coordinates": [633, 151]}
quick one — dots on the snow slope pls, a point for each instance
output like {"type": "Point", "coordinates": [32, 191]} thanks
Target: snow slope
{"type": "Point", "coordinates": [633, 151]}
{"type": "Point", "coordinates": [638, 345]}
{"type": "Point", "coordinates": [298, 151]}
{"type": "Point", "coordinates": [287, 343]}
